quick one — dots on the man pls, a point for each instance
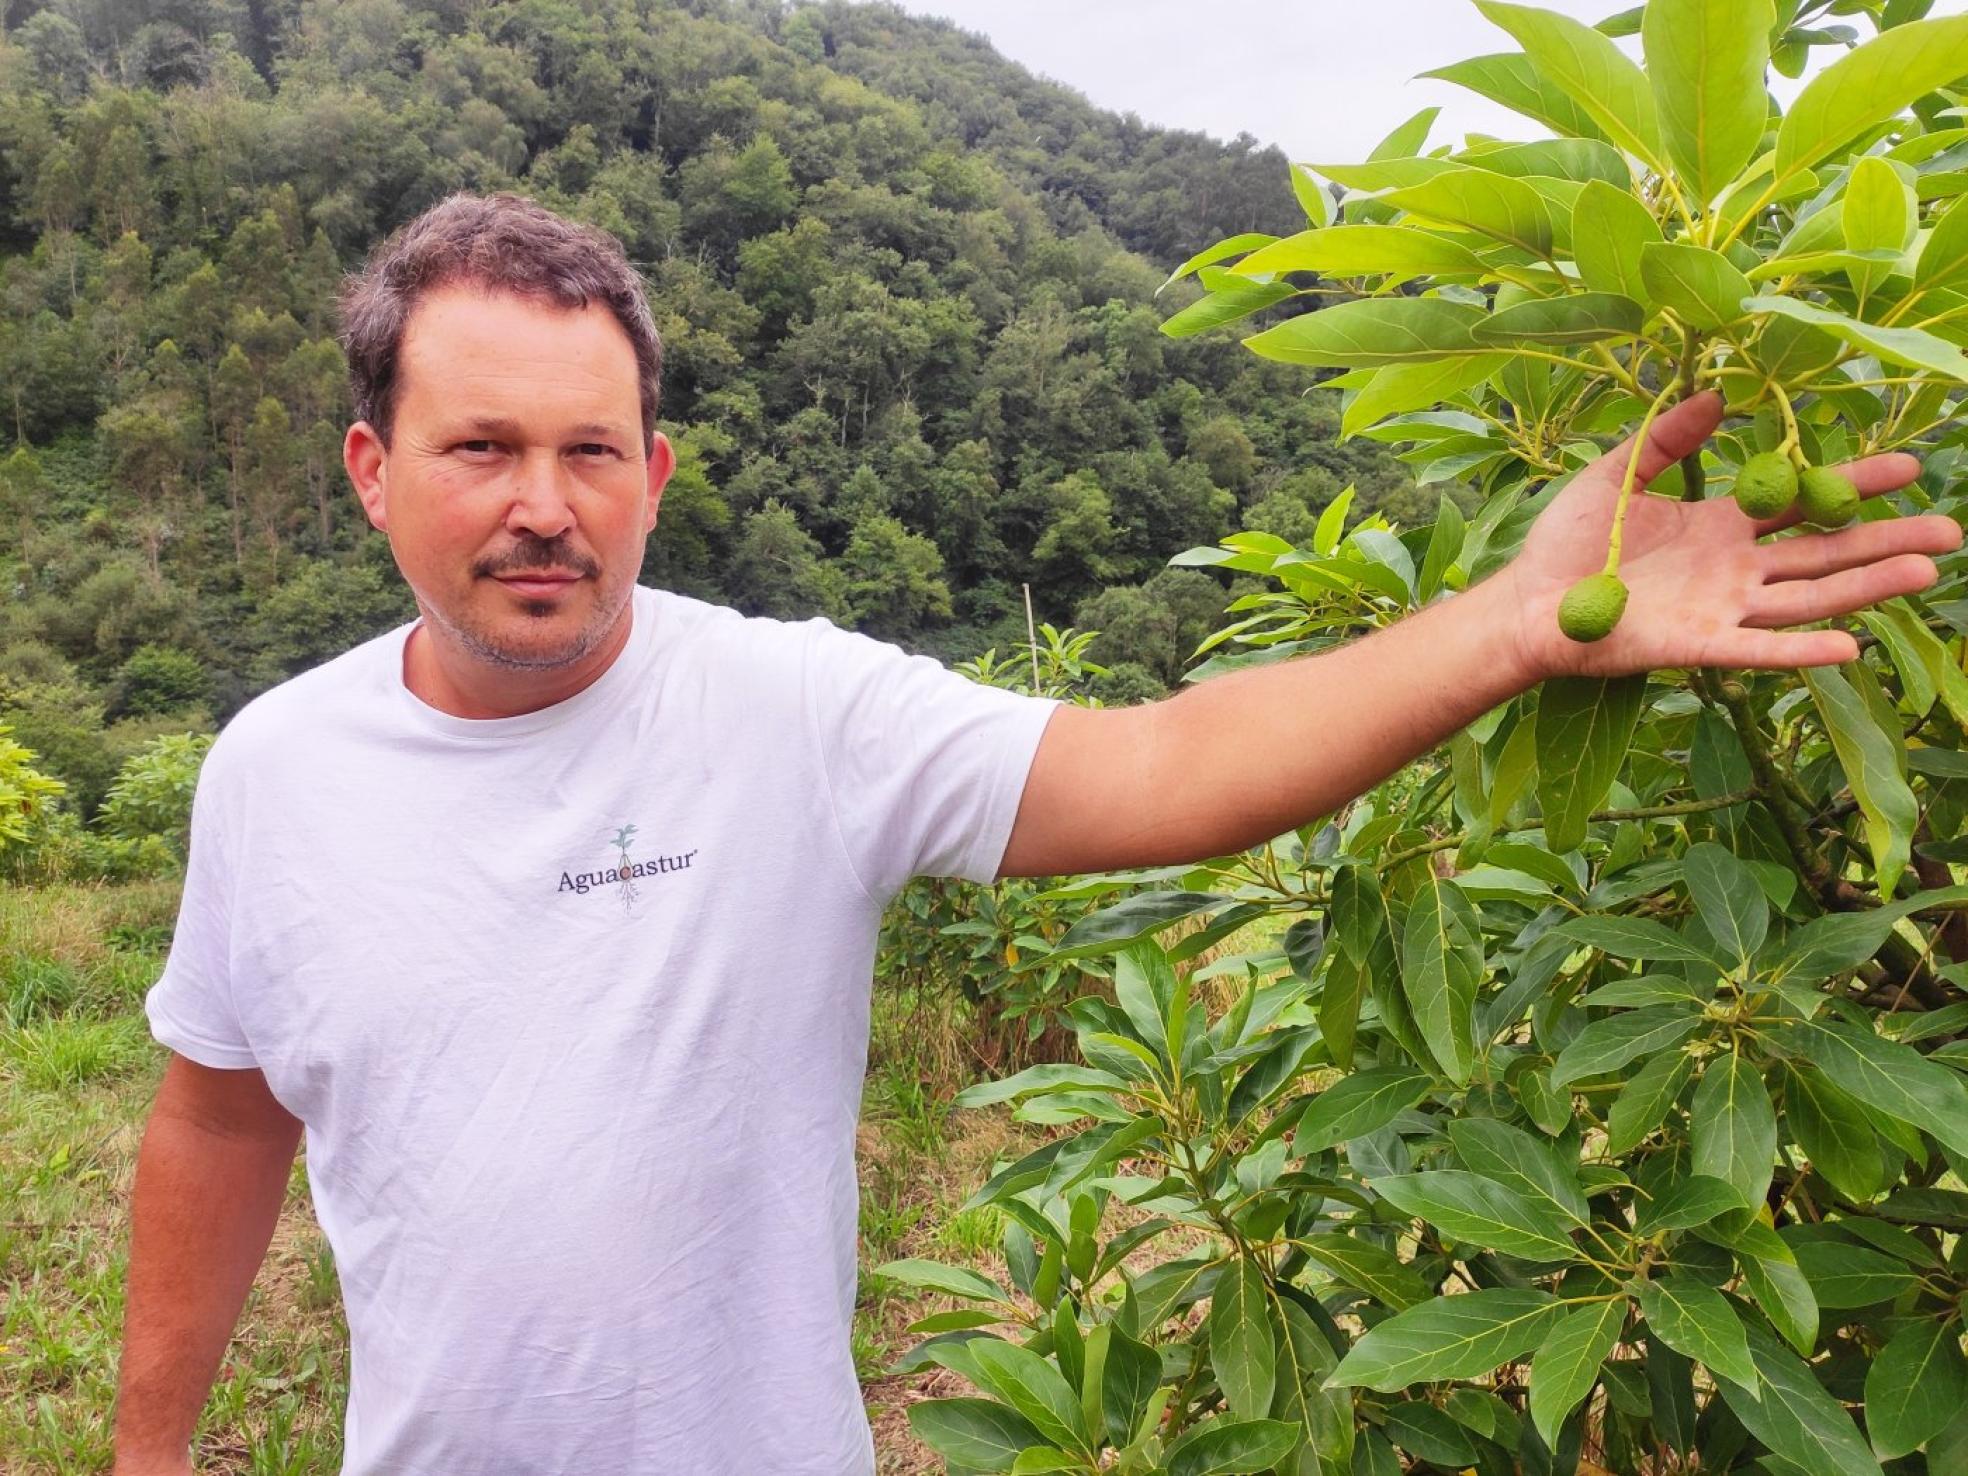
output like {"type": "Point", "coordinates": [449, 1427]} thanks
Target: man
{"type": "Point", "coordinates": [551, 913]}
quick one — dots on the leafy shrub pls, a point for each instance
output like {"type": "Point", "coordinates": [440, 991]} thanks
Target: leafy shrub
{"type": "Point", "coordinates": [159, 679]}
{"type": "Point", "coordinates": [153, 792]}
{"type": "Point", "coordinates": [1601, 1107]}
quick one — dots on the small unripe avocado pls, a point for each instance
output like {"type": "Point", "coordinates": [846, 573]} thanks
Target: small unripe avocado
{"type": "Point", "coordinates": [1592, 607]}
{"type": "Point", "coordinates": [1767, 485]}
{"type": "Point", "coordinates": [1825, 497]}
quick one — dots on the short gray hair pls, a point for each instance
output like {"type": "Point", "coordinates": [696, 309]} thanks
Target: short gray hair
{"type": "Point", "coordinates": [500, 242]}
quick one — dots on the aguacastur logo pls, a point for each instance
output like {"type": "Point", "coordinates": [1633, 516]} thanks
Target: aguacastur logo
{"type": "Point", "coordinates": [626, 870]}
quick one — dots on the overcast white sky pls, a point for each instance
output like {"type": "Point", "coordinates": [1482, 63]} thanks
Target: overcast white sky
{"type": "Point", "coordinates": [1323, 79]}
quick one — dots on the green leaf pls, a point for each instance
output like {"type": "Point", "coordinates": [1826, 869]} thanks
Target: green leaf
{"type": "Point", "coordinates": [1735, 1128]}
{"type": "Point", "coordinates": [1867, 756]}
{"type": "Point", "coordinates": [1818, 263]}
{"type": "Point", "coordinates": [976, 1433]}
{"type": "Point", "coordinates": [1579, 317]}
{"type": "Point", "coordinates": [1222, 250]}
{"type": "Point", "coordinates": [1643, 1102]}
{"type": "Point", "coordinates": [1441, 967]}
{"type": "Point", "coordinates": [1407, 138]}
{"type": "Point", "coordinates": [1845, 1276]}
{"type": "Point", "coordinates": [1608, 1044]}
{"type": "Point", "coordinates": [1372, 332]}
{"type": "Point", "coordinates": [1632, 937]}
{"type": "Point", "coordinates": [1702, 287]}
{"type": "Point", "coordinates": [1695, 1200]}
{"type": "Point", "coordinates": [1573, 160]}
{"type": "Point", "coordinates": [1243, 1344]}
{"type": "Point", "coordinates": [1048, 1076]}
{"type": "Point", "coordinates": [935, 1276]}
{"type": "Point", "coordinates": [1697, 1320]}
{"type": "Point", "coordinates": [1360, 1263]}
{"type": "Point", "coordinates": [1466, 1206]}
{"type": "Point", "coordinates": [1398, 388]}
{"type": "Point", "coordinates": [1039, 1459]}
{"type": "Point", "coordinates": [1832, 1129]}
{"type": "Point", "coordinates": [1221, 1446]}
{"type": "Point", "coordinates": [1132, 919]}
{"type": "Point", "coordinates": [1833, 943]}
{"type": "Point", "coordinates": [1944, 258]}
{"type": "Point", "coordinates": [1494, 205]}
{"type": "Point", "coordinates": [1356, 1105]}
{"type": "Point", "coordinates": [1459, 1337]}
{"type": "Point", "coordinates": [1878, 213]}
{"type": "Point", "coordinates": [1128, 1384]}
{"type": "Point", "coordinates": [1590, 70]}
{"type": "Point", "coordinates": [1790, 1412]}
{"type": "Point", "coordinates": [1915, 348]}
{"type": "Point", "coordinates": [1311, 196]}
{"type": "Point", "coordinates": [1915, 1386]}
{"type": "Point", "coordinates": [1566, 1364]}
{"type": "Point", "coordinates": [1727, 896]}
{"type": "Point", "coordinates": [1705, 61]}
{"type": "Point", "coordinates": [1869, 86]}
{"type": "Point", "coordinates": [1770, 1271]}
{"type": "Point", "coordinates": [1429, 1433]}
{"type": "Point", "coordinates": [1323, 1416]}
{"type": "Point", "coordinates": [1230, 301]}
{"type": "Point", "coordinates": [1033, 1387]}
{"type": "Point", "coordinates": [1509, 78]}
{"type": "Point", "coordinates": [1514, 1158]}
{"type": "Point", "coordinates": [1362, 251]}
{"type": "Point", "coordinates": [1584, 725]}
{"type": "Point", "coordinates": [1894, 1079]}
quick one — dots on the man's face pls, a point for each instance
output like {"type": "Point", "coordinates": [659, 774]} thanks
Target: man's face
{"type": "Point", "coordinates": [515, 492]}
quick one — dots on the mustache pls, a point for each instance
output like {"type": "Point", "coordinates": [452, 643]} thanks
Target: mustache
{"type": "Point", "coordinates": [537, 553]}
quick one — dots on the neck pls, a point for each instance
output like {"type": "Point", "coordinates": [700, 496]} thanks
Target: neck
{"type": "Point", "coordinates": [439, 673]}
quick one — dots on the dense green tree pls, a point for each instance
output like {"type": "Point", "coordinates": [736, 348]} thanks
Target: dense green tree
{"type": "Point", "coordinates": [776, 569]}
{"type": "Point", "coordinates": [894, 579]}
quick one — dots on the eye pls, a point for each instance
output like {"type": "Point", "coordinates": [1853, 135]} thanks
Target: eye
{"type": "Point", "coordinates": [475, 447]}
{"type": "Point", "coordinates": [595, 448]}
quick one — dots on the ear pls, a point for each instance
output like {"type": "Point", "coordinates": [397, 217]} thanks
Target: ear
{"type": "Point", "coordinates": [363, 457]}
{"type": "Point", "coordinates": [662, 462]}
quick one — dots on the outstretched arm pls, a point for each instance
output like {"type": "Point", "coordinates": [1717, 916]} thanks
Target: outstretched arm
{"type": "Point", "coordinates": [1243, 757]}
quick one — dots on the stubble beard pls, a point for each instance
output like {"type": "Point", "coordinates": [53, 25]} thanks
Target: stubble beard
{"type": "Point", "coordinates": [483, 644]}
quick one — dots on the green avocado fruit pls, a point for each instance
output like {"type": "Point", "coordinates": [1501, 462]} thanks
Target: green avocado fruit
{"type": "Point", "coordinates": [1826, 497]}
{"type": "Point", "coordinates": [1767, 485]}
{"type": "Point", "coordinates": [1592, 607]}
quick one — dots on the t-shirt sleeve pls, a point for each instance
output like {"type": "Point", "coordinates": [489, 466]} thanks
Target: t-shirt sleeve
{"type": "Point", "coordinates": [925, 767]}
{"type": "Point", "coordinates": [190, 1007]}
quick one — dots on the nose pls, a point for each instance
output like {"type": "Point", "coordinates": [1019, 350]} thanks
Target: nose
{"type": "Point", "coordinates": [540, 502]}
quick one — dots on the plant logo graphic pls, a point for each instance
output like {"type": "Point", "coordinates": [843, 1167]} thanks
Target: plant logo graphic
{"type": "Point", "coordinates": [625, 869]}
{"type": "Point", "coordinates": [624, 872]}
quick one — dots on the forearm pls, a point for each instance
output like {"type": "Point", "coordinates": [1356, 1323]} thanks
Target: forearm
{"type": "Point", "coordinates": [1249, 755]}
{"type": "Point", "coordinates": [202, 1214]}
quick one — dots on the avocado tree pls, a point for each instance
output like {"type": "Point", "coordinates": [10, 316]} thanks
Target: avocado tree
{"type": "Point", "coordinates": [1597, 1104]}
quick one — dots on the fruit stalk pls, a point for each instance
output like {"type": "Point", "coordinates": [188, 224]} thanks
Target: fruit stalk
{"type": "Point", "coordinates": [1632, 476]}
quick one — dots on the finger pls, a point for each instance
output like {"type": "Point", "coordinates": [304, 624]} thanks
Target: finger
{"type": "Point", "coordinates": [1814, 555]}
{"type": "Point", "coordinates": [1781, 650]}
{"type": "Point", "coordinates": [1799, 601]}
{"type": "Point", "coordinates": [1873, 475]}
{"type": "Point", "coordinates": [1673, 435]}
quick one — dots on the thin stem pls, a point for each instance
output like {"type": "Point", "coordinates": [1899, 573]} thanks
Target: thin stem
{"type": "Point", "coordinates": [1632, 475]}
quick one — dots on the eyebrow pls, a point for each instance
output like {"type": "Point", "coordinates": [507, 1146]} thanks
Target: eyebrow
{"type": "Point", "coordinates": [493, 425]}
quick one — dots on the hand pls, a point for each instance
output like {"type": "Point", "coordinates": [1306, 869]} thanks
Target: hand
{"type": "Point", "coordinates": [1702, 589]}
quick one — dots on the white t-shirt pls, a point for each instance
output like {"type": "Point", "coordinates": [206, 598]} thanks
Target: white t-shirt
{"type": "Point", "coordinates": [583, 1143]}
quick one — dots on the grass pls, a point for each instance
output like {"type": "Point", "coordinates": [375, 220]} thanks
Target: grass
{"type": "Point", "coordinates": [77, 1073]}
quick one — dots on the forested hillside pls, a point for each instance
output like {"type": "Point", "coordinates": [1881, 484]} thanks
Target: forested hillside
{"type": "Point", "coordinates": [907, 293]}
